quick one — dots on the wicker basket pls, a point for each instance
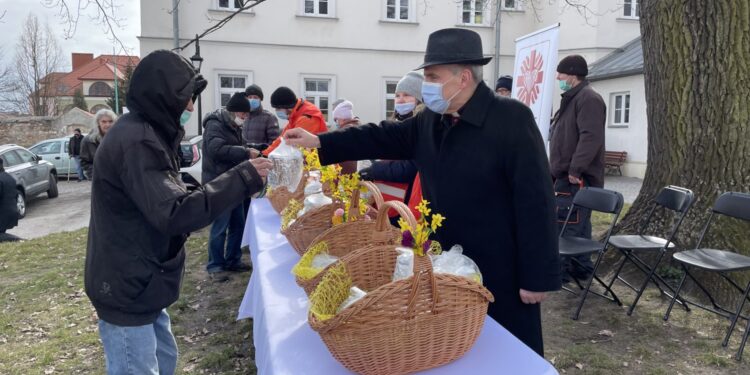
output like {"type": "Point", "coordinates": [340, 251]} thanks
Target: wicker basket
{"type": "Point", "coordinates": [405, 326]}
{"type": "Point", "coordinates": [280, 196]}
{"type": "Point", "coordinates": [347, 237]}
{"type": "Point", "coordinates": [308, 226]}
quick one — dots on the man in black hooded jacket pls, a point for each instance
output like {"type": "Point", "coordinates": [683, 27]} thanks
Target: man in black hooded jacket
{"type": "Point", "coordinates": [142, 213]}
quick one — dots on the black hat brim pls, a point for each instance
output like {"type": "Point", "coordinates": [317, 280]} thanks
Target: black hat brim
{"type": "Point", "coordinates": [482, 61]}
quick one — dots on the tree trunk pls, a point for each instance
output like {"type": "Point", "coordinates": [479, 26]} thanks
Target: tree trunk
{"type": "Point", "coordinates": [697, 78]}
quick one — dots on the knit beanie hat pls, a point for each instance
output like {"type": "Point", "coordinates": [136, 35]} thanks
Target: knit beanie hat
{"type": "Point", "coordinates": [344, 111]}
{"type": "Point", "coordinates": [254, 90]}
{"type": "Point", "coordinates": [238, 103]}
{"type": "Point", "coordinates": [505, 82]}
{"type": "Point", "coordinates": [411, 84]}
{"type": "Point", "coordinates": [573, 65]}
{"type": "Point", "coordinates": [283, 97]}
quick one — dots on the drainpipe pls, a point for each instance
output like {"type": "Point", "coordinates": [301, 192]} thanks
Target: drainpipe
{"type": "Point", "coordinates": [175, 24]}
{"type": "Point", "coordinates": [497, 46]}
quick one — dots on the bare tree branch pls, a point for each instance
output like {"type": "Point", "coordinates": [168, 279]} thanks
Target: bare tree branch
{"type": "Point", "coordinates": [246, 5]}
{"type": "Point", "coordinates": [105, 14]}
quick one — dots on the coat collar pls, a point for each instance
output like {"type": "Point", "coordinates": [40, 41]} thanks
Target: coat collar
{"type": "Point", "coordinates": [475, 110]}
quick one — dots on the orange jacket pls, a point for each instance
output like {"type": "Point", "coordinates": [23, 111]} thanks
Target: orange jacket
{"type": "Point", "coordinates": [305, 115]}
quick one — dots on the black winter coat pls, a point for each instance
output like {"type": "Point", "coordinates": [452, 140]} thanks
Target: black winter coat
{"type": "Point", "coordinates": [489, 176]}
{"type": "Point", "coordinates": [141, 212]}
{"type": "Point", "coordinates": [74, 145]}
{"type": "Point", "coordinates": [401, 171]}
{"type": "Point", "coordinates": [89, 144]}
{"type": "Point", "coordinates": [8, 203]}
{"type": "Point", "coordinates": [223, 147]}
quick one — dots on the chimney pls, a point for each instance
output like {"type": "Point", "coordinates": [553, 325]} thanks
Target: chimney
{"type": "Point", "coordinates": [81, 59]}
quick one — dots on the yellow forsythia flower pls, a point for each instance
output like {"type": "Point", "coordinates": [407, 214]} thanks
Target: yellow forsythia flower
{"type": "Point", "coordinates": [423, 209]}
{"type": "Point", "coordinates": [403, 225]}
{"type": "Point", "coordinates": [437, 221]}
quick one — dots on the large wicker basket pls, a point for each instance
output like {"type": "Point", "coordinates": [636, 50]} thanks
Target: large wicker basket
{"type": "Point", "coordinates": [344, 238]}
{"type": "Point", "coordinates": [308, 226]}
{"type": "Point", "coordinates": [280, 196]}
{"type": "Point", "coordinates": [405, 326]}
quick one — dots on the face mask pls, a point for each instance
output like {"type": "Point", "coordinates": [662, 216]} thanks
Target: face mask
{"type": "Point", "coordinates": [238, 120]}
{"type": "Point", "coordinates": [564, 85]}
{"type": "Point", "coordinates": [185, 117]}
{"type": "Point", "coordinates": [432, 94]}
{"type": "Point", "coordinates": [254, 104]}
{"type": "Point", "coordinates": [282, 115]}
{"type": "Point", "coordinates": [405, 108]}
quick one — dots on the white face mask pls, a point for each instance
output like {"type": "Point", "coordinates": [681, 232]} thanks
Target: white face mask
{"type": "Point", "coordinates": [238, 120]}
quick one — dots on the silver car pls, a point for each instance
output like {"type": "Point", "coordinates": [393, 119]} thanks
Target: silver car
{"type": "Point", "coordinates": [33, 174]}
{"type": "Point", "coordinates": [55, 151]}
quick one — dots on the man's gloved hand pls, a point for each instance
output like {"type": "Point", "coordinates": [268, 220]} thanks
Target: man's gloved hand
{"type": "Point", "coordinates": [364, 174]}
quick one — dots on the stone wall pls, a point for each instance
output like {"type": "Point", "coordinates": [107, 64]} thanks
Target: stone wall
{"type": "Point", "coordinates": [28, 130]}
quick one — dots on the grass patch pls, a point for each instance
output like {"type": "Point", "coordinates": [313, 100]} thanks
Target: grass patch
{"type": "Point", "coordinates": [47, 324]}
{"type": "Point", "coordinates": [712, 359]}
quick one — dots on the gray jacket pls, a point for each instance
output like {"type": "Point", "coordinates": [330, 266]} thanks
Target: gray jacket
{"type": "Point", "coordinates": [260, 127]}
{"type": "Point", "coordinates": [89, 144]}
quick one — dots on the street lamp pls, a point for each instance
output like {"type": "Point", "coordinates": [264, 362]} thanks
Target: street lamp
{"type": "Point", "coordinates": [197, 61]}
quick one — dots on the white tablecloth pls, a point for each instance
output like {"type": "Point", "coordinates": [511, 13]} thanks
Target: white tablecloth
{"type": "Point", "coordinates": [285, 343]}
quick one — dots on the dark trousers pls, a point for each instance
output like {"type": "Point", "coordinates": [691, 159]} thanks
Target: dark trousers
{"type": "Point", "coordinates": [226, 231]}
{"type": "Point", "coordinates": [579, 225]}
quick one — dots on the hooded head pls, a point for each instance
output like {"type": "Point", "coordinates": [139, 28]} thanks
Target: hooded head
{"type": "Point", "coordinates": [161, 86]}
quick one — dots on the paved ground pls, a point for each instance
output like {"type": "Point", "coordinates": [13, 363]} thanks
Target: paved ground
{"type": "Point", "coordinates": [629, 187]}
{"type": "Point", "coordinates": [69, 211]}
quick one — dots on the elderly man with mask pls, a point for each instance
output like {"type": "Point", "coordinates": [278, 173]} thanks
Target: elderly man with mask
{"type": "Point", "coordinates": [223, 149]}
{"type": "Point", "coordinates": [483, 166]}
{"type": "Point", "coordinates": [142, 214]}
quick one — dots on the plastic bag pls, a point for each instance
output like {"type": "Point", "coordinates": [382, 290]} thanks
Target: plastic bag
{"type": "Point", "coordinates": [454, 262]}
{"type": "Point", "coordinates": [287, 167]}
{"type": "Point", "coordinates": [404, 263]}
{"type": "Point", "coordinates": [355, 294]}
{"type": "Point", "coordinates": [322, 261]}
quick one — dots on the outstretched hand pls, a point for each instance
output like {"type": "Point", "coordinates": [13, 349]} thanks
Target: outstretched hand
{"type": "Point", "coordinates": [301, 138]}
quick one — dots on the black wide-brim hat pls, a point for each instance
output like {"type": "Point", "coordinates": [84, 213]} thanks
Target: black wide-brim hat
{"type": "Point", "coordinates": [454, 46]}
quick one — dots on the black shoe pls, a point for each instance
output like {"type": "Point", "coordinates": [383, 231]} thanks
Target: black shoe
{"type": "Point", "coordinates": [218, 276]}
{"type": "Point", "coordinates": [239, 267]}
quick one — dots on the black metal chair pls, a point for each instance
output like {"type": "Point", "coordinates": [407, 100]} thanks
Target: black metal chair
{"type": "Point", "coordinates": [736, 205]}
{"type": "Point", "coordinates": [671, 198]}
{"type": "Point", "coordinates": [600, 200]}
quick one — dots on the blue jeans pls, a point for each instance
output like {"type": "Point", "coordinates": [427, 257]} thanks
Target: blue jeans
{"type": "Point", "coordinates": [149, 349]}
{"type": "Point", "coordinates": [79, 168]}
{"type": "Point", "coordinates": [226, 231]}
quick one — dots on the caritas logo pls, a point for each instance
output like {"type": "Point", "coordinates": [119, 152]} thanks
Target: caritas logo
{"type": "Point", "coordinates": [531, 78]}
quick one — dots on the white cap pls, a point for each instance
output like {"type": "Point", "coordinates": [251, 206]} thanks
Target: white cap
{"type": "Point", "coordinates": [343, 111]}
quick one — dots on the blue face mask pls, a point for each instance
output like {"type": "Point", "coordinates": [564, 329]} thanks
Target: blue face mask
{"type": "Point", "coordinates": [404, 108]}
{"type": "Point", "coordinates": [282, 115]}
{"type": "Point", "coordinates": [432, 95]}
{"type": "Point", "coordinates": [254, 104]}
{"type": "Point", "coordinates": [564, 85]}
{"type": "Point", "coordinates": [185, 117]}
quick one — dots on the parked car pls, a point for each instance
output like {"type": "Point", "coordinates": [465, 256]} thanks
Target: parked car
{"type": "Point", "coordinates": [55, 151]}
{"type": "Point", "coordinates": [33, 174]}
{"type": "Point", "coordinates": [191, 165]}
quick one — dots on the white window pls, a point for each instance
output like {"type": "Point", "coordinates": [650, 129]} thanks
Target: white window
{"type": "Point", "coordinates": [631, 8]}
{"type": "Point", "coordinates": [398, 10]}
{"type": "Point", "coordinates": [511, 5]}
{"type": "Point", "coordinates": [229, 4]}
{"type": "Point", "coordinates": [229, 82]}
{"type": "Point", "coordinates": [321, 8]}
{"type": "Point", "coordinates": [620, 104]}
{"type": "Point", "coordinates": [474, 12]}
{"type": "Point", "coordinates": [390, 97]}
{"type": "Point", "coordinates": [319, 90]}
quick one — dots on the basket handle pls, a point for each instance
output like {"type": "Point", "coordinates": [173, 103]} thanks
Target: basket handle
{"type": "Point", "coordinates": [354, 207]}
{"type": "Point", "coordinates": [422, 266]}
{"type": "Point", "coordinates": [383, 223]}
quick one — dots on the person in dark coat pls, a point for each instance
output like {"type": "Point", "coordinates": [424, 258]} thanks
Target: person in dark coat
{"type": "Point", "coordinates": [483, 166]}
{"type": "Point", "coordinates": [74, 152]}
{"type": "Point", "coordinates": [103, 121]}
{"type": "Point", "coordinates": [142, 213]}
{"type": "Point", "coordinates": [261, 127]}
{"type": "Point", "coordinates": [504, 86]}
{"type": "Point", "coordinates": [8, 204]}
{"type": "Point", "coordinates": [223, 149]}
{"type": "Point", "coordinates": [577, 152]}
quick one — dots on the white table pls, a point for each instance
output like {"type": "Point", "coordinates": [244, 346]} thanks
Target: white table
{"type": "Point", "coordinates": [285, 343]}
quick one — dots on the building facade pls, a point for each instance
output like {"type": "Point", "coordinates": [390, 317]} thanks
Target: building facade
{"type": "Point", "coordinates": [354, 49]}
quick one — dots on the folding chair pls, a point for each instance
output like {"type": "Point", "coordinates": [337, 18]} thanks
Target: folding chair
{"type": "Point", "coordinates": [736, 205]}
{"type": "Point", "coordinates": [600, 200]}
{"type": "Point", "coordinates": [671, 198]}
